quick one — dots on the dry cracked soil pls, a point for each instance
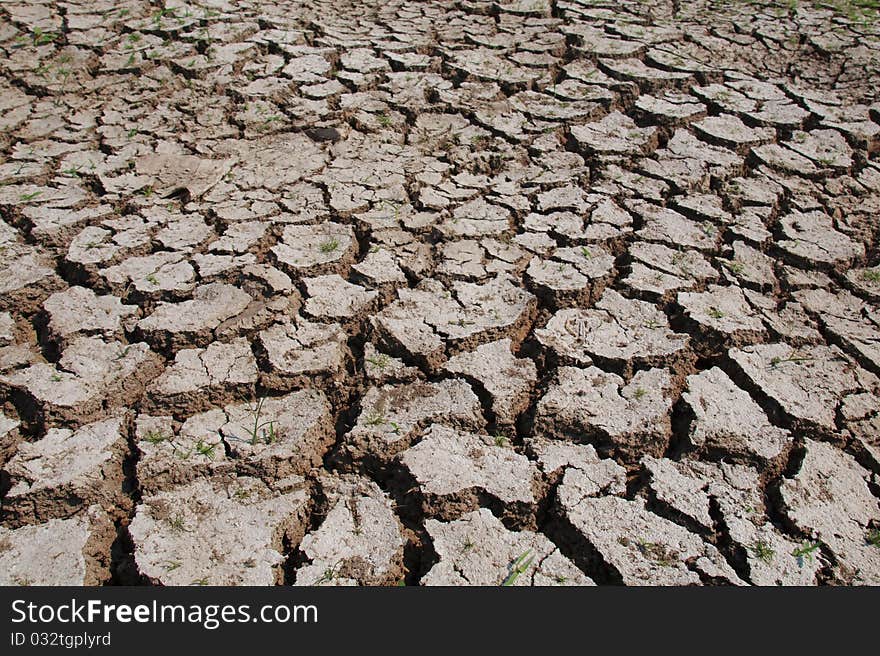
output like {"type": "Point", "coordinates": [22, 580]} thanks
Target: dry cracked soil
{"type": "Point", "coordinates": [530, 292]}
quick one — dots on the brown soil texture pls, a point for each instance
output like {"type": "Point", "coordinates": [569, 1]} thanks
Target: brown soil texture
{"type": "Point", "coordinates": [455, 292]}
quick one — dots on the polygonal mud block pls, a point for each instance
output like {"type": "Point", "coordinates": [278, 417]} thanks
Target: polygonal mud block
{"type": "Point", "coordinates": [66, 469]}
{"type": "Point", "coordinates": [640, 548]}
{"type": "Point", "coordinates": [478, 550]}
{"type": "Point", "coordinates": [392, 416]}
{"type": "Point", "coordinates": [829, 500]}
{"type": "Point", "coordinates": [223, 531]}
{"type": "Point", "coordinates": [457, 472]}
{"type": "Point", "coordinates": [359, 541]}
{"type": "Point", "coordinates": [91, 377]}
{"type": "Point", "coordinates": [273, 437]}
{"type": "Point", "coordinates": [73, 551]}
{"type": "Point", "coordinates": [620, 332]}
{"type": "Point", "coordinates": [508, 380]}
{"type": "Point", "coordinates": [625, 419]}
{"type": "Point", "coordinates": [200, 378]}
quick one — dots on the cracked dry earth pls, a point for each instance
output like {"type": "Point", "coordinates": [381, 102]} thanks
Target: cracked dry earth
{"type": "Point", "coordinates": [453, 292]}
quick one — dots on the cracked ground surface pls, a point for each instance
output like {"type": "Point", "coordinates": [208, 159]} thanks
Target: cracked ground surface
{"type": "Point", "coordinates": [455, 292]}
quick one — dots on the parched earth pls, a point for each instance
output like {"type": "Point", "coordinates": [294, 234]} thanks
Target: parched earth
{"type": "Point", "coordinates": [452, 292]}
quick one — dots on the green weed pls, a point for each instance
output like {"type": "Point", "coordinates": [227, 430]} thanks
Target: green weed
{"type": "Point", "coordinates": [806, 552]}
{"type": "Point", "coordinates": [261, 430]}
{"type": "Point", "coordinates": [763, 551]}
{"type": "Point", "coordinates": [518, 566]}
{"type": "Point", "coordinates": [374, 418]}
{"type": "Point", "coordinates": [380, 360]}
{"type": "Point", "coordinates": [155, 437]}
{"type": "Point", "coordinates": [205, 449]}
{"type": "Point", "coordinates": [329, 246]}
